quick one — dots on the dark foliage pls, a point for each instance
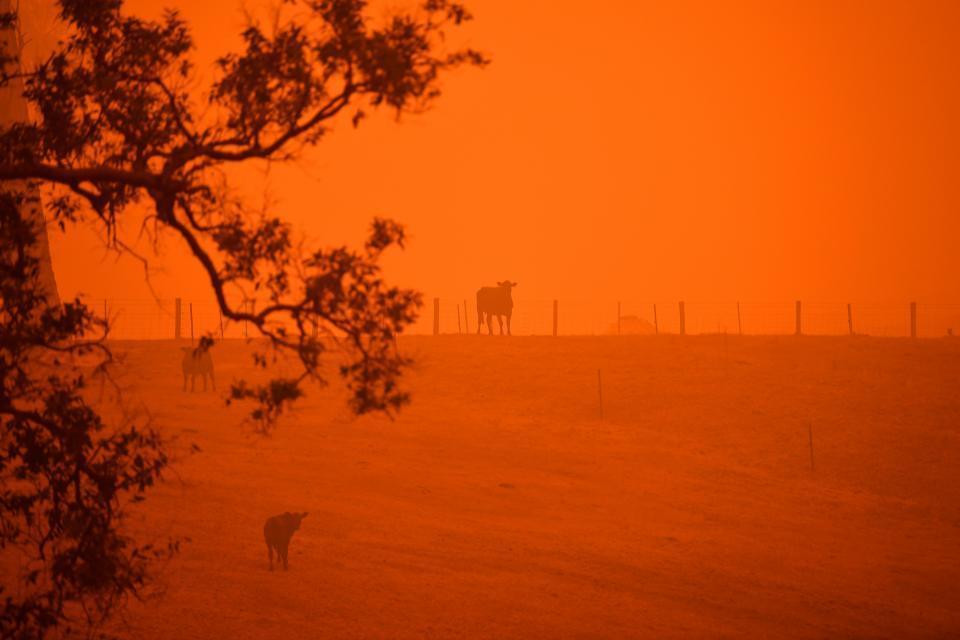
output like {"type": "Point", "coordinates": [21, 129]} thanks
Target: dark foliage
{"type": "Point", "coordinates": [65, 475]}
{"type": "Point", "coordinates": [119, 131]}
{"type": "Point", "coordinates": [119, 127]}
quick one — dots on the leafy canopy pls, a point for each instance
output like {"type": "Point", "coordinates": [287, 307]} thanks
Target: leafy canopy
{"type": "Point", "coordinates": [119, 126]}
{"type": "Point", "coordinates": [117, 130]}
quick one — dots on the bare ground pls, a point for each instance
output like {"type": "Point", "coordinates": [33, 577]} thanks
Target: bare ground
{"type": "Point", "coordinates": [501, 505]}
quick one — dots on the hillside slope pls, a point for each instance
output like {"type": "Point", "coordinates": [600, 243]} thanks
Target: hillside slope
{"type": "Point", "coordinates": [500, 504]}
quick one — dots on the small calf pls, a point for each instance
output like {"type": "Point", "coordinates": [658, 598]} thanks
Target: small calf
{"type": "Point", "coordinates": [197, 362]}
{"type": "Point", "coordinates": [277, 533]}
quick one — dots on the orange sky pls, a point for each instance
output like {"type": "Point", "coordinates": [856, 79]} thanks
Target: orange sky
{"type": "Point", "coordinates": [642, 150]}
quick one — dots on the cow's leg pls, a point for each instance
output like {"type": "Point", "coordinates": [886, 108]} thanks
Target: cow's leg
{"type": "Point", "coordinates": [500, 322]}
{"type": "Point", "coordinates": [508, 324]}
{"type": "Point", "coordinates": [479, 319]}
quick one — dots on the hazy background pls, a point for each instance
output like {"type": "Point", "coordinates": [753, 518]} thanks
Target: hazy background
{"type": "Point", "coordinates": [643, 150]}
{"type": "Point", "coordinates": [585, 487]}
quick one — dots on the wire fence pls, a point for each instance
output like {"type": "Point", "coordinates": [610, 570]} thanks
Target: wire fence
{"type": "Point", "coordinates": [158, 319]}
{"type": "Point", "coordinates": [629, 317]}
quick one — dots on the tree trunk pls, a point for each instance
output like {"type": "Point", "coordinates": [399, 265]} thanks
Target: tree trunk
{"type": "Point", "coordinates": [13, 109]}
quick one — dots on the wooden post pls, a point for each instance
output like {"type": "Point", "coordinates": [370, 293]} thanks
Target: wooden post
{"type": "Point", "coordinates": [656, 326]}
{"type": "Point", "coordinates": [176, 318]}
{"type": "Point", "coordinates": [739, 323]}
{"type": "Point", "coordinates": [191, 323]}
{"type": "Point", "coordinates": [459, 331]}
{"type": "Point", "coordinates": [799, 316]}
{"type": "Point", "coordinates": [600, 392]}
{"type": "Point", "coordinates": [850, 317]}
{"type": "Point", "coordinates": [554, 318]}
{"type": "Point", "coordinates": [466, 318]}
{"type": "Point", "coordinates": [436, 316]}
{"type": "Point", "coordinates": [810, 431]}
{"type": "Point", "coordinates": [726, 352]}
{"type": "Point", "coordinates": [618, 318]}
{"type": "Point", "coordinates": [913, 319]}
{"type": "Point", "coordinates": [683, 320]}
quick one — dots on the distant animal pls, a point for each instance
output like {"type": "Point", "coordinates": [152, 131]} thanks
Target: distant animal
{"type": "Point", "coordinates": [197, 362]}
{"type": "Point", "coordinates": [277, 533]}
{"type": "Point", "coordinates": [495, 301]}
{"type": "Point", "coordinates": [632, 326]}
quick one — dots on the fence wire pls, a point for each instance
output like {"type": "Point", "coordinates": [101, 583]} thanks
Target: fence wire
{"type": "Point", "coordinates": [157, 319]}
{"type": "Point", "coordinates": [631, 317]}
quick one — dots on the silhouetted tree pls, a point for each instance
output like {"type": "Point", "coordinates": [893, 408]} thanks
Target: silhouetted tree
{"type": "Point", "coordinates": [65, 476]}
{"type": "Point", "coordinates": [118, 129]}
{"type": "Point", "coordinates": [13, 108]}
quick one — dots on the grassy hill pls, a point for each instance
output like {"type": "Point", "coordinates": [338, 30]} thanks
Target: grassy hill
{"type": "Point", "coordinates": [501, 505]}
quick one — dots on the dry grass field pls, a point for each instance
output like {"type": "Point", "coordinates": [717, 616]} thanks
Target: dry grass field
{"type": "Point", "coordinates": [501, 505]}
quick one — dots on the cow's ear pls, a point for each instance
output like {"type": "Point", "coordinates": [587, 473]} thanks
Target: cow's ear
{"type": "Point", "coordinates": [514, 284]}
{"type": "Point", "coordinates": [500, 284]}
{"type": "Point", "coordinates": [303, 515]}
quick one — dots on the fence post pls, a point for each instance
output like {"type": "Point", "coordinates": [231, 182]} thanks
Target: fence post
{"type": "Point", "coordinates": [850, 317]}
{"type": "Point", "coordinates": [739, 323]}
{"type": "Point", "coordinates": [618, 318]}
{"type": "Point", "coordinates": [459, 330]}
{"type": "Point", "coordinates": [600, 392]}
{"type": "Point", "coordinates": [554, 318]}
{"type": "Point", "coordinates": [683, 320]}
{"type": "Point", "coordinates": [191, 323]}
{"type": "Point", "coordinates": [799, 316]}
{"type": "Point", "coordinates": [913, 319]}
{"type": "Point", "coordinates": [436, 316]}
{"type": "Point", "coordinates": [656, 326]}
{"type": "Point", "coordinates": [466, 318]}
{"type": "Point", "coordinates": [176, 318]}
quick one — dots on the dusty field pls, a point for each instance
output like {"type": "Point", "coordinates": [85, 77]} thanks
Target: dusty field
{"type": "Point", "coordinates": [500, 505]}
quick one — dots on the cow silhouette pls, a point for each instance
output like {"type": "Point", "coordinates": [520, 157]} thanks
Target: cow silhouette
{"type": "Point", "coordinates": [197, 362]}
{"type": "Point", "coordinates": [495, 301]}
{"type": "Point", "coordinates": [277, 533]}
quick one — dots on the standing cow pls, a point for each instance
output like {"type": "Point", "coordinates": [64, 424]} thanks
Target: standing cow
{"type": "Point", "coordinates": [197, 362]}
{"type": "Point", "coordinates": [495, 301]}
{"type": "Point", "coordinates": [277, 532]}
